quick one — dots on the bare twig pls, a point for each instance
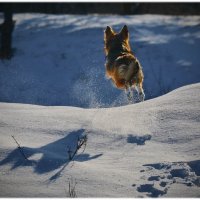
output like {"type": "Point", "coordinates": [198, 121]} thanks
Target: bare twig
{"type": "Point", "coordinates": [71, 154]}
{"type": "Point", "coordinates": [71, 189]}
{"type": "Point", "coordinates": [80, 142]}
{"type": "Point", "coordinates": [20, 148]}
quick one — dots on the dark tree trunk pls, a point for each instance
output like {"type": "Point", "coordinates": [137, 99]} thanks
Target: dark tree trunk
{"type": "Point", "coordinates": [6, 33]}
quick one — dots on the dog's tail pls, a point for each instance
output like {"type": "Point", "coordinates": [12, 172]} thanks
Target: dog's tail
{"type": "Point", "coordinates": [126, 71]}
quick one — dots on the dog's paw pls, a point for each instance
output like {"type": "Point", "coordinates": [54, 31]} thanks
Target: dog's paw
{"type": "Point", "coordinates": [130, 97]}
{"type": "Point", "coordinates": [141, 96]}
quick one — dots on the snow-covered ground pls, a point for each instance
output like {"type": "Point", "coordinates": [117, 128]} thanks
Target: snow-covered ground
{"type": "Point", "coordinates": [59, 59]}
{"type": "Point", "coordinates": [145, 149]}
{"type": "Point", "coordinates": [139, 150]}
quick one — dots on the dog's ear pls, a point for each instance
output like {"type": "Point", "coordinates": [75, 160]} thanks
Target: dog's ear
{"type": "Point", "coordinates": [108, 32]}
{"type": "Point", "coordinates": [124, 32]}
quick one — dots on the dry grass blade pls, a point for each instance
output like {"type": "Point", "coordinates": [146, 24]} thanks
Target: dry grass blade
{"type": "Point", "coordinates": [20, 148]}
{"type": "Point", "coordinates": [71, 189]}
{"type": "Point", "coordinates": [80, 142]}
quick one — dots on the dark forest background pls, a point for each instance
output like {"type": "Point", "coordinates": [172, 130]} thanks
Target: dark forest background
{"type": "Point", "coordinates": [105, 8]}
{"type": "Point", "coordinates": [8, 9]}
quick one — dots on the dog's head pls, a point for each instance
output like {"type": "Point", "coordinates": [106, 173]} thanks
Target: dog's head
{"type": "Point", "coordinates": [113, 40]}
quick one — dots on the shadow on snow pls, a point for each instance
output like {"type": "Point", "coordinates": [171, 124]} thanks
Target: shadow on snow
{"type": "Point", "coordinates": [53, 155]}
{"type": "Point", "coordinates": [168, 53]}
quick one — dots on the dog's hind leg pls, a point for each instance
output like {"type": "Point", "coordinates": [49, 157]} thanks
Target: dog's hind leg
{"type": "Point", "coordinates": [129, 94]}
{"type": "Point", "coordinates": [140, 92]}
{"type": "Point", "coordinates": [139, 85]}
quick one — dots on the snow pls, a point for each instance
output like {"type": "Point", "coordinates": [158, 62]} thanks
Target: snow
{"type": "Point", "coordinates": [54, 91]}
{"type": "Point", "coordinates": [114, 158]}
{"type": "Point", "coordinates": [59, 59]}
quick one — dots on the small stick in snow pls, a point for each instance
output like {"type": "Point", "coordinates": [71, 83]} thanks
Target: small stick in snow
{"type": "Point", "coordinates": [71, 189]}
{"type": "Point", "coordinates": [80, 142]}
{"type": "Point", "coordinates": [20, 148]}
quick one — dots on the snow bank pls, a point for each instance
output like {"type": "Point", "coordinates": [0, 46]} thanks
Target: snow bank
{"type": "Point", "coordinates": [146, 149]}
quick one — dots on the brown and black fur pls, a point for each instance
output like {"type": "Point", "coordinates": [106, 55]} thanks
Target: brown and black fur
{"type": "Point", "coordinates": [121, 65]}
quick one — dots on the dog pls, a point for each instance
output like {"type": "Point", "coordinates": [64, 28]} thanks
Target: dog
{"type": "Point", "coordinates": [122, 67]}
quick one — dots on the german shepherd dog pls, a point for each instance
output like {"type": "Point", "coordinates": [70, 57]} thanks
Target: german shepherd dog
{"type": "Point", "coordinates": [121, 65]}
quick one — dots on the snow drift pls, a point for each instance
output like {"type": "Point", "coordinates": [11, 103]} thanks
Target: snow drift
{"type": "Point", "coordinates": [146, 149]}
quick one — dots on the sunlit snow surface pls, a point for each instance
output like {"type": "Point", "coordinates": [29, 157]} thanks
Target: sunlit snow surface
{"type": "Point", "coordinates": [148, 149]}
{"type": "Point", "coordinates": [59, 59]}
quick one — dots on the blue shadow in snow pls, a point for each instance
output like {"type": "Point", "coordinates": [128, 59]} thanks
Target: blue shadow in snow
{"type": "Point", "coordinates": [54, 155]}
{"type": "Point", "coordinates": [139, 140]}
